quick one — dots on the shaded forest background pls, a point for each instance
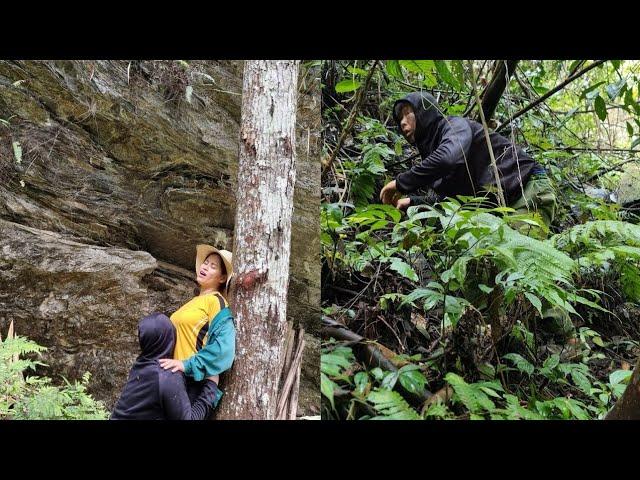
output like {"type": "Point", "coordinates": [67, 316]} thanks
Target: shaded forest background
{"type": "Point", "coordinates": [436, 312]}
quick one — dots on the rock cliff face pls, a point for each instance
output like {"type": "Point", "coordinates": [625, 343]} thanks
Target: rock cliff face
{"type": "Point", "coordinates": [110, 174]}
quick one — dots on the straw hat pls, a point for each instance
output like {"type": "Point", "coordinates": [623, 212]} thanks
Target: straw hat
{"type": "Point", "coordinates": [203, 251]}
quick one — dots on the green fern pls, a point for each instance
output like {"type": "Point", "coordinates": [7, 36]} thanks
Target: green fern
{"type": "Point", "coordinates": [473, 396]}
{"type": "Point", "coordinates": [598, 233]}
{"type": "Point", "coordinates": [33, 397]}
{"type": "Point", "coordinates": [602, 244]}
{"type": "Point", "coordinates": [515, 411]}
{"type": "Point", "coordinates": [521, 363]}
{"type": "Point", "coordinates": [391, 406]}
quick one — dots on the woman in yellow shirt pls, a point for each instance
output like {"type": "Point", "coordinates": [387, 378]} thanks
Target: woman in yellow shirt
{"type": "Point", "coordinates": [205, 331]}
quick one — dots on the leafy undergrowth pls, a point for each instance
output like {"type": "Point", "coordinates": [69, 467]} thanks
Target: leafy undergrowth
{"type": "Point", "coordinates": [35, 398]}
{"type": "Point", "coordinates": [460, 272]}
{"type": "Point", "coordinates": [479, 312]}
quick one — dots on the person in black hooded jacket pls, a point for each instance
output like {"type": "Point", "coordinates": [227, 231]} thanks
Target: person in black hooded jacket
{"type": "Point", "coordinates": [152, 393]}
{"type": "Point", "coordinates": [456, 160]}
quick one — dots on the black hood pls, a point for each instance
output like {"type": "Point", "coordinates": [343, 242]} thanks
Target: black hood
{"type": "Point", "coordinates": [139, 398]}
{"type": "Point", "coordinates": [427, 112]}
{"type": "Point", "coordinates": [157, 337]}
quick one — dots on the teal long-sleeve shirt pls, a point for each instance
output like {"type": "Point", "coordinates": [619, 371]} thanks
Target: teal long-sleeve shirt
{"type": "Point", "coordinates": [218, 354]}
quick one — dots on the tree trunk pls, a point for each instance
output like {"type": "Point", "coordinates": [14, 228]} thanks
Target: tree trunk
{"type": "Point", "coordinates": [266, 176]}
{"type": "Point", "coordinates": [628, 406]}
{"type": "Point", "coordinates": [496, 87]}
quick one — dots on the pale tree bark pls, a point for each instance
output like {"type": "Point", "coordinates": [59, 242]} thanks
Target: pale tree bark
{"type": "Point", "coordinates": [628, 405]}
{"type": "Point", "coordinates": [266, 177]}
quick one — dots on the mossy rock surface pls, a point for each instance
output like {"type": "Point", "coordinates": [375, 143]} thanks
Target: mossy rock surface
{"type": "Point", "coordinates": [120, 160]}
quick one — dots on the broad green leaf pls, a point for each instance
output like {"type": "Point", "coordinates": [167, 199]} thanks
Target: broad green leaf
{"type": "Point", "coordinates": [459, 269]}
{"type": "Point", "coordinates": [348, 85]}
{"type": "Point", "coordinates": [619, 376]}
{"type": "Point", "coordinates": [431, 298]}
{"type": "Point", "coordinates": [535, 301]}
{"type": "Point", "coordinates": [389, 380]}
{"type": "Point", "coordinates": [418, 66]}
{"type": "Point", "coordinates": [454, 308]}
{"type": "Point", "coordinates": [445, 74]}
{"type": "Point", "coordinates": [600, 107]}
{"type": "Point", "coordinates": [392, 212]}
{"type": "Point", "coordinates": [377, 373]}
{"type": "Point", "coordinates": [458, 71]}
{"type": "Point", "coordinates": [520, 362]}
{"type": "Point", "coordinates": [397, 147]}
{"type": "Point", "coordinates": [333, 364]}
{"type": "Point", "coordinates": [575, 408]}
{"type": "Point", "coordinates": [404, 269]}
{"type": "Point", "coordinates": [356, 71]}
{"type": "Point", "coordinates": [581, 381]}
{"type": "Point", "coordinates": [327, 388]}
{"type": "Point", "coordinates": [487, 370]}
{"type": "Point", "coordinates": [551, 362]}
{"type": "Point", "coordinates": [362, 384]}
{"type": "Point", "coordinates": [393, 69]}
{"type": "Point", "coordinates": [413, 380]}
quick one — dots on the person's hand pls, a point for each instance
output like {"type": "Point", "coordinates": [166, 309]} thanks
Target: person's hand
{"type": "Point", "coordinates": [388, 193]}
{"type": "Point", "coordinates": [173, 365]}
{"type": "Point", "coordinates": [214, 378]}
{"type": "Point", "coordinates": [403, 203]}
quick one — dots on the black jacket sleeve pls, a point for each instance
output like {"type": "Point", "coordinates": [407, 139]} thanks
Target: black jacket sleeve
{"type": "Point", "coordinates": [452, 151]}
{"type": "Point", "coordinates": [175, 400]}
{"type": "Point", "coordinates": [417, 200]}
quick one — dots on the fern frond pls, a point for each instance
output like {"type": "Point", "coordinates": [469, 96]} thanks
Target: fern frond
{"type": "Point", "coordinates": [470, 395]}
{"type": "Point", "coordinates": [391, 406]}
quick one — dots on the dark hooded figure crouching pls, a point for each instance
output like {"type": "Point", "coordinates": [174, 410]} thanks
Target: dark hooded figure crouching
{"type": "Point", "coordinates": [153, 393]}
{"type": "Point", "coordinates": [456, 161]}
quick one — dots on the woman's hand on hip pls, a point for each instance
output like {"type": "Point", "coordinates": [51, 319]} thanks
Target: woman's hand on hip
{"type": "Point", "coordinates": [173, 365]}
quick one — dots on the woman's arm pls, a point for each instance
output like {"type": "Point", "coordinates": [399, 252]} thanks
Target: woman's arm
{"type": "Point", "coordinates": [219, 353]}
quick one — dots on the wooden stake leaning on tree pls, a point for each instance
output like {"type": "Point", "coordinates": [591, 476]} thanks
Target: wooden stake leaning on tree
{"type": "Point", "coordinates": [262, 238]}
{"type": "Point", "coordinates": [288, 397]}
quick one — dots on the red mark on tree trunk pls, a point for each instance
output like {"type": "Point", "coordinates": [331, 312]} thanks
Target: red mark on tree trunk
{"type": "Point", "coordinates": [249, 279]}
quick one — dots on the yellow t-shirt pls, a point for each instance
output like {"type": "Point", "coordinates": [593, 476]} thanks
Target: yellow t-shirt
{"type": "Point", "coordinates": [192, 323]}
